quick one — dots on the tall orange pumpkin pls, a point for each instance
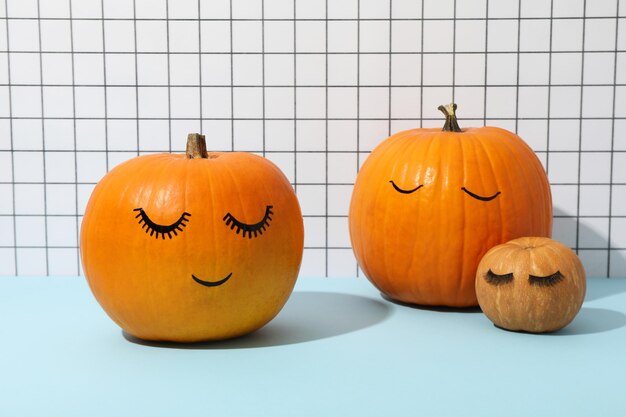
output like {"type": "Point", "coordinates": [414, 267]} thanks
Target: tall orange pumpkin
{"type": "Point", "coordinates": [429, 203]}
{"type": "Point", "coordinates": [192, 247]}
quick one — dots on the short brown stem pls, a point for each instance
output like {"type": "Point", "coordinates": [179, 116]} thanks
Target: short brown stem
{"type": "Point", "coordinates": [451, 124]}
{"type": "Point", "coordinates": [196, 146]}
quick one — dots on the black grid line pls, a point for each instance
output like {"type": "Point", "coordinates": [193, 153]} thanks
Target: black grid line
{"type": "Point", "coordinates": [208, 54]}
{"type": "Point", "coordinates": [426, 86]}
{"type": "Point", "coordinates": [137, 125]}
{"type": "Point", "coordinates": [200, 101]}
{"type": "Point", "coordinates": [358, 86]}
{"type": "Point", "coordinates": [338, 216]}
{"type": "Point", "coordinates": [326, 136]}
{"type": "Point", "coordinates": [306, 247]}
{"type": "Point", "coordinates": [43, 140]}
{"type": "Point", "coordinates": [486, 57]}
{"type": "Point", "coordinates": [517, 64]}
{"type": "Point", "coordinates": [11, 139]}
{"type": "Point", "coordinates": [421, 65]}
{"type": "Point", "coordinates": [453, 51]}
{"type": "Point", "coordinates": [263, 100]}
{"type": "Point", "coordinates": [301, 183]}
{"type": "Point", "coordinates": [576, 118]}
{"type": "Point", "coordinates": [549, 98]}
{"type": "Point", "coordinates": [363, 19]}
{"type": "Point", "coordinates": [169, 74]}
{"type": "Point", "coordinates": [612, 156]}
{"type": "Point", "coordinates": [312, 86]}
{"type": "Point", "coordinates": [232, 80]}
{"type": "Point", "coordinates": [295, 99]}
{"type": "Point", "coordinates": [74, 141]}
{"type": "Point", "coordinates": [330, 151]}
{"type": "Point", "coordinates": [443, 52]}
{"type": "Point", "coordinates": [358, 101]}
{"type": "Point", "coordinates": [104, 89]}
{"type": "Point", "coordinates": [580, 127]}
{"type": "Point", "coordinates": [390, 89]}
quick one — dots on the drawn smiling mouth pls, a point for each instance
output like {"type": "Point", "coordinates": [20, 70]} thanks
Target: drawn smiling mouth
{"type": "Point", "coordinates": [211, 283]}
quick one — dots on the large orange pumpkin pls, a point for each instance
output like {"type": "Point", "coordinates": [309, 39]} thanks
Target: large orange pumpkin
{"type": "Point", "coordinates": [192, 247]}
{"type": "Point", "coordinates": [428, 204]}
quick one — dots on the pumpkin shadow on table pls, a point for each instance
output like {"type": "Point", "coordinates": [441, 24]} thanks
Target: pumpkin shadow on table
{"type": "Point", "coordinates": [565, 230]}
{"type": "Point", "coordinates": [593, 320]}
{"type": "Point", "coordinates": [306, 317]}
{"type": "Point", "coordinates": [588, 321]}
{"type": "Point", "coordinates": [439, 309]}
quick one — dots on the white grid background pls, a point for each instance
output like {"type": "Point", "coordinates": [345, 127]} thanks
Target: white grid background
{"type": "Point", "coordinates": [312, 85]}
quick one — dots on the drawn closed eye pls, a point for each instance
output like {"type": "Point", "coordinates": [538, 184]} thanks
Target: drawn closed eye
{"type": "Point", "coordinates": [400, 190]}
{"type": "Point", "coordinates": [255, 229]}
{"type": "Point", "coordinates": [546, 281]}
{"type": "Point", "coordinates": [158, 229]}
{"type": "Point", "coordinates": [496, 279]}
{"type": "Point", "coordinates": [480, 197]}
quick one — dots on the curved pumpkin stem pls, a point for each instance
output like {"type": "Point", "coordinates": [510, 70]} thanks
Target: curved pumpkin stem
{"type": "Point", "coordinates": [451, 124]}
{"type": "Point", "coordinates": [196, 146]}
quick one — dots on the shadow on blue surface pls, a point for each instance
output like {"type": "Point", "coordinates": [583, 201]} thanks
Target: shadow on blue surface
{"type": "Point", "coordinates": [308, 316]}
{"type": "Point", "coordinates": [440, 309]}
{"type": "Point", "coordinates": [593, 320]}
{"type": "Point", "coordinates": [588, 321]}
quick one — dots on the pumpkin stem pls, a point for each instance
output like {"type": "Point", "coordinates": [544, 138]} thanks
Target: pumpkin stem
{"type": "Point", "coordinates": [451, 124]}
{"type": "Point", "coordinates": [196, 146]}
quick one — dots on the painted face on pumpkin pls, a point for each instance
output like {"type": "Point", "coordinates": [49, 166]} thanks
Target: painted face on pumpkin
{"type": "Point", "coordinates": [534, 280]}
{"type": "Point", "coordinates": [240, 228]}
{"type": "Point", "coordinates": [465, 190]}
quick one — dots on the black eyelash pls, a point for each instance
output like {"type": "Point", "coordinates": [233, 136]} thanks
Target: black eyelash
{"type": "Point", "coordinates": [495, 279]}
{"type": "Point", "coordinates": [546, 281]}
{"type": "Point", "coordinates": [250, 229]}
{"type": "Point", "coordinates": [479, 197]}
{"type": "Point", "coordinates": [400, 190]}
{"type": "Point", "coordinates": [157, 229]}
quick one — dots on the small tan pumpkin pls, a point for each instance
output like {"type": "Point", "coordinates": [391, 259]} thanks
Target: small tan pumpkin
{"type": "Point", "coordinates": [531, 284]}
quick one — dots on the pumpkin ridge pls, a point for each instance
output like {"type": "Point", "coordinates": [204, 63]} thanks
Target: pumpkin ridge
{"type": "Point", "coordinates": [459, 279]}
{"type": "Point", "coordinates": [427, 142]}
{"type": "Point", "coordinates": [128, 321]}
{"type": "Point", "coordinates": [490, 156]}
{"type": "Point", "coordinates": [295, 238]}
{"type": "Point", "coordinates": [165, 173]}
{"type": "Point", "coordinates": [539, 171]}
{"type": "Point", "coordinates": [419, 282]}
{"type": "Point", "coordinates": [387, 153]}
{"type": "Point", "coordinates": [411, 143]}
{"type": "Point", "coordinates": [202, 169]}
{"type": "Point", "coordinates": [389, 254]}
{"type": "Point", "coordinates": [512, 159]}
{"type": "Point", "coordinates": [241, 206]}
{"type": "Point", "coordinates": [378, 189]}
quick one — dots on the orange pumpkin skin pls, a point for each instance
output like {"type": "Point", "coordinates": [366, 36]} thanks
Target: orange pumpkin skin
{"type": "Point", "coordinates": [145, 283]}
{"type": "Point", "coordinates": [545, 291]}
{"type": "Point", "coordinates": [423, 247]}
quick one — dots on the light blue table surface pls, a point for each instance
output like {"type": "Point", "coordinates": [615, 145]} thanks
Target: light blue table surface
{"type": "Point", "coordinates": [336, 349]}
